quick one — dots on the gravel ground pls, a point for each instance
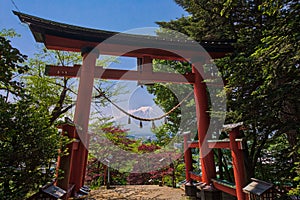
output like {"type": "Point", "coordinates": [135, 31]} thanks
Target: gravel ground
{"type": "Point", "coordinates": [138, 192]}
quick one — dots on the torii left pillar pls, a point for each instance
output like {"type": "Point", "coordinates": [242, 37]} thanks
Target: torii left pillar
{"type": "Point", "coordinates": [82, 114]}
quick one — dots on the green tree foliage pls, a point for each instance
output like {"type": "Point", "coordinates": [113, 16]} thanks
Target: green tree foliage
{"type": "Point", "coordinates": [204, 23]}
{"type": "Point", "coordinates": [10, 69]}
{"type": "Point", "coordinates": [262, 74]}
{"type": "Point", "coordinates": [57, 94]}
{"type": "Point", "coordinates": [296, 190]}
{"type": "Point", "coordinates": [28, 144]}
{"type": "Point", "coordinates": [267, 96]}
{"type": "Point", "coordinates": [9, 33]}
{"type": "Point", "coordinates": [166, 96]}
{"type": "Point", "coordinates": [28, 148]}
{"type": "Point", "coordinates": [105, 145]}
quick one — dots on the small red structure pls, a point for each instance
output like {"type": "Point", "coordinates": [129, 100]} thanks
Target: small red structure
{"type": "Point", "coordinates": [235, 145]}
{"type": "Point", "coordinates": [59, 36]}
{"type": "Point", "coordinates": [66, 164]}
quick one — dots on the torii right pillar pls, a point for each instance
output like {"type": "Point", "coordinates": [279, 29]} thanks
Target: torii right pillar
{"type": "Point", "coordinates": [203, 119]}
{"type": "Point", "coordinates": [201, 100]}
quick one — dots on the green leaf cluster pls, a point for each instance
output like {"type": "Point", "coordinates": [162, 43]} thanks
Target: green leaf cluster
{"type": "Point", "coordinates": [28, 143]}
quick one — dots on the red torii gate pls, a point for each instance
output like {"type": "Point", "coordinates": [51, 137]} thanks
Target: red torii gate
{"type": "Point", "coordinates": [59, 36]}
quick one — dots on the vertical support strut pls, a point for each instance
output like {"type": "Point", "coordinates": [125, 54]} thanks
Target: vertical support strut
{"type": "Point", "coordinates": [81, 116]}
{"type": "Point", "coordinates": [64, 162]}
{"type": "Point", "coordinates": [201, 101]}
{"type": "Point", "coordinates": [238, 164]}
{"type": "Point", "coordinates": [145, 67]}
{"type": "Point", "coordinates": [187, 158]}
{"type": "Point", "coordinates": [147, 64]}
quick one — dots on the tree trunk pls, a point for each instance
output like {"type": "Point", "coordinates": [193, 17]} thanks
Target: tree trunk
{"type": "Point", "coordinates": [293, 142]}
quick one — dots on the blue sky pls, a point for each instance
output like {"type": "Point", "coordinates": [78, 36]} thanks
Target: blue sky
{"type": "Point", "coordinates": [113, 15]}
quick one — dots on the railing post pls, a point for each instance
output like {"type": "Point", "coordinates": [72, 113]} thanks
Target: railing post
{"type": "Point", "coordinates": [238, 164]}
{"type": "Point", "coordinates": [187, 157]}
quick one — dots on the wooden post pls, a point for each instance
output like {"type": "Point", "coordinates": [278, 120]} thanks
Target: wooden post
{"type": "Point", "coordinates": [64, 161]}
{"type": "Point", "coordinates": [187, 158]}
{"type": "Point", "coordinates": [81, 116]}
{"type": "Point", "coordinates": [147, 64]}
{"type": "Point", "coordinates": [238, 164]}
{"type": "Point", "coordinates": [201, 101]}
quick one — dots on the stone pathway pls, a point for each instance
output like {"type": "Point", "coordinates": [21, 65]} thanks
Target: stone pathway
{"type": "Point", "coordinates": [138, 192]}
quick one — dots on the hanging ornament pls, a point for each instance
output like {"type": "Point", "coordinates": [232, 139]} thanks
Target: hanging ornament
{"type": "Point", "coordinates": [153, 125]}
{"type": "Point", "coordinates": [129, 120]}
{"type": "Point", "coordinates": [141, 124]}
{"type": "Point", "coordinates": [166, 120]}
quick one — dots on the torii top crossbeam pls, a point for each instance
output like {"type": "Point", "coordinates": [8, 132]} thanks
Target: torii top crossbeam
{"type": "Point", "coordinates": [60, 36]}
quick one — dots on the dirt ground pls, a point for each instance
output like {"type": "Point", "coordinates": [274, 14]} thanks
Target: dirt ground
{"type": "Point", "coordinates": [138, 192]}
